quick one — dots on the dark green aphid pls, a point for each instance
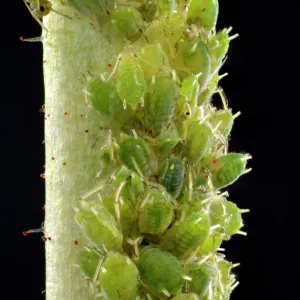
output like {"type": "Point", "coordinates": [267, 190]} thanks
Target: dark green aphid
{"type": "Point", "coordinates": [202, 275]}
{"type": "Point", "coordinates": [135, 154]}
{"type": "Point", "coordinates": [156, 214]}
{"type": "Point", "coordinates": [167, 140]}
{"type": "Point", "coordinates": [166, 6]}
{"type": "Point", "coordinates": [181, 239]}
{"type": "Point", "coordinates": [118, 277]}
{"type": "Point", "coordinates": [198, 141]}
{"type": "Point", "coordinates": [173, 176]}
{"type": "Point", "coordinates": [127, 21]}
{"type": "Point", "coordinates": [131, 85]}
{"type": "Point", "coordinates": [203, 13]}
{"type": "Point", "coordinates": [182, 296]}
{"type": "Point", "coordinates": [193, 58]}
{"type": "Point", "coordinates": [226, 118]}
{"type": "Point", "coordinates": [160, 102]}
{"type": "Point", "coordinates": [152, 60]}
{"type": "Point", "coordinates": [228, 169]}
{"type": "Point", "coordinates": [88, 261]}
{"type": "Point", "coordinates": [160, 270]}
{"type": "Point", "coordinates": [99, 226]}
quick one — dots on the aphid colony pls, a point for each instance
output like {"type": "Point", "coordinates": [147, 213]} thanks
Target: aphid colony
{"type": "Point", "coordinates": [156, 227]}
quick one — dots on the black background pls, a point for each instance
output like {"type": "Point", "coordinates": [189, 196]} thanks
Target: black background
{"type": "Point", "coordinates": [262, 84]}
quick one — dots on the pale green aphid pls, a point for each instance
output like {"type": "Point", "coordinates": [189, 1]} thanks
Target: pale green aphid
{"type": "Point", "coordinates": [165, 6]}
{"type": "Point", "coordinates": [127, 21]}
{"type": "Point", "coordinates": [135, 154]}
{"type": "Point", "coordinates": [160, 102]}
{"type": "Point", "coordinates": [198, 141]}
{"type": "Point", "coordinates": [131, 85]}
{"type": "Point", "coordinates": [166, 141]}
{"type": "Point", "coordinates": [182, 296]}
{"type": "Point", "coordinates": [211, 244]}
{"type": "Point", "coordinates": [152, 60]}
{"type": "Point", "coordinates": [156, 213]}
{"type": "Point", "coordinates": [181, 239]}
{"type": "Point", "coordinates": [156, 266]}
{"type": "Point", "coordinates": [193, 58]}
{"type": "Point", "coordinates": [172, 176]}
{"type": "Point", "coordinates": [203, 13]}
{"type": "Point", "coordinates": [202, 275]}
{"type": "Point", "coordinates": [99, 226]}
{"type": "Point", "coordinates": [88, 260]}
{"type": "Point", "coordinates": [226, 118]}
{"type": "Point", "coordinates": [118, 277]}
{"type": "Point", "coordinates": [228, 169]}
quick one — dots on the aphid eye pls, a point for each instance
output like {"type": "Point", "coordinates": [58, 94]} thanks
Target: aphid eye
{"type": "Point", "coordinates": [118, 277]}
{"type": "Point", "coordinates": [203, 13]}
{"type": "Point", "coordinates": [172, 176]}
{"type": "Point", "coordinates": [154, 264]}
{"type": "Point", "coordinates": [131, 83]}
{"type": "Point", "coordinates": [160, 102]}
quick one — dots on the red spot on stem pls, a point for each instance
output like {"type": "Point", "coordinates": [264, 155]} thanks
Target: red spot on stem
{"type": "Point", "coordinates": [53, 158]}
{"type": "Point", "coordinates": [44, 207]}
{"type": "Point", "coordinates": [109, 65]}
{"type": "Point", "coordinates": [214, 161]}
{"type": "Point", "coordinates": [25, 233]}
{"type": "Point", "coordinates": [42, 175]}
{"type": "Point", "coordinates": [86, 131]}
{"type": "Point", "coordinates": [41, 110]}
{"type": "Point", "coordinates": [75, 243]}
{"type": "Point", "coordinates": [21, 38]}
{"type": "Point", "coordinates": [64, 163]}
{"type": "Point", "coordinates": [49, 238]}
{"type": "Point", "coordinates": [65, 113]}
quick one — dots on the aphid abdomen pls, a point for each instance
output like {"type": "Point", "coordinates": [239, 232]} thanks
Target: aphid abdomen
{"type": "Point", "coordinates": [226, 119]}
{"type": "Point", "coordinates": [184, 237]}
{"type": "Point", "coordinates": [157, 214]}
{"type": "Point", "coordinates": [234, 221]}
{"type": "Point", "coordinates": [203, 13]}
{"type": "Point", "coordinates": [198, 141]}
{"type": "Point", "coordinates": [160, 103]}
{"type": "Point", "coordinates": [160, 270]}
{"type": "Point", "coordinates": [88, 261]}
{"type": "Point", "coordinates": [211, 244]}
{"type": "Point", "coordinates": [131, 83]}
{"type": "Point", "coordinates": [182, 296]}
{"type": "Point", "coordinates": [133, 153]}
{"type": "Point", "coordinates": [167, 140]}
{"type": "Point", "coordinates": [118, 277]}
{"type": "Point", "coordinates": [228, 169]}
{"type": "Point", "coordinates": [193, 58]}
{"type": "Point", "coordinates": [173, 177]}
{"type": "Point", "coordinates": [100, 227]}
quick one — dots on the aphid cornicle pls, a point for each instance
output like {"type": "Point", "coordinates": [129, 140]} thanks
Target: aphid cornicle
{"type": "Point", "coordinates": [157, 214]}
{"type": "Point", "coordinates": [160, 102]}
{"type": "Point", "coordinates": [181, 239]}
{"type": "Point", "coordinates": [118, 277]}
{"type": "Point", "coordinates": [173, 176]}
{"type": "Point", "coordinates": [182, 296]}
{"type": "Point", "coordinates": [155, 266]}
{"type": "Point", "coordinates": [131, 83]}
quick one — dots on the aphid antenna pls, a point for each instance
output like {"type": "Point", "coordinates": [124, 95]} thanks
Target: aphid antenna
{"type": "Point", "coordinates": [32, 40]}
{"type": "Point", "coordinates": [115, 67]}
{"type": "Point", "coordinates": [117, 199]}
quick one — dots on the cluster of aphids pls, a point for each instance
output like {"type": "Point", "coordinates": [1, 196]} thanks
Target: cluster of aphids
{"type": "Point", "coordinates": [156, 228]}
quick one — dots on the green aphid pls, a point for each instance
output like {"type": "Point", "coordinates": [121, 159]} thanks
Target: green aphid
{"type": "Point", "coordinates": [226, 277]}
{"type": "Point", "coordinates": [118, 277]}
{"type": "Point", "coordinates": [88, 261]}
{"type": "Point", "coordinates": [99, 226]}
{"type": "Point", "coordinates": [234, 222]}
{"type": "Point", "coordinates": [183, 296]}
{"type": "Point", "coordinates": [198, 141]}
{"type": "Point", "coordinates": [147, 9]}
{"type": "Point", "coordinates": [193, 58]}
{"type": "Point", "coordinates": [228, 169]}
{"type": "Point", "coordinates": [135, 154]}
{"type": "Point", "coordinates": [226, 119]}
{"type": "Point", "coordinates": [131, 84]}
{"type": "Point", "coordinates": [181, 239]}
{"type": "Point", "coordinates": [201, 181]}
{"type": "Point", "coordinates": [160, 270]}
{"type": "Point", "coordinates": [166, 6]}
{"type": "Point", "coordinates": [203, 13]}
{"type": "Point", "coordinates": [173, 175]}
{"type": "Point", "coordinates": [127, 21]}
{"type": "Point", "coordinates": [189, 93]}
{"type": "Point", "coordinates": [152, 60]}
{"type": "Point", "coordinates": [202, 275]}
{"type": "Point", "coordinates": [160, 102]}
{"type": "Point", "coordinates": [134, 188]}
{"type": "Point", "coordinates": [157, 214]}
{"type": "Point", "coordinates": [211, 244]}
{"type": "Point", "coordinates": [210, 90]}
{"type": "Point", "coordinates": [166, 141]}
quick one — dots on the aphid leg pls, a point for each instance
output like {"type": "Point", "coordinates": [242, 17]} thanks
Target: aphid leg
{"type": "Point", "coordinates": [117, 198]}
{"type": "Point", "coordinates": [145, 201]}
{"type": "Point", "coordinates": [95, 282]}
{"type": "Point", "coordinates": [138, 170]}
{"type": "Point", "coordinates": [135, 244]}
{"type": "Point", "coordinates": [110, 145]}
{"type": "Point", "coordinates": [223, 98]}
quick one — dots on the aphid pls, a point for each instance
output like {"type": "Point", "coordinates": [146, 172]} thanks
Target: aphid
{"type": "Point", "coordinates": [166, 6]}
{"type": "Point", "coordinates": [202, 275]}
{"type": "Point", "coordinates": [181, 239]}
{"type": "Point", "coordinates": [147, 9]}
{"type": "Point", "coordinates": [160, 102]}
{"type": "Point", "coordinates": [160, 270]}
{"type": "Point", "coordinates": [88, 260]}
{"type": "Point", "coordinates": [156, 213]}
{"type": "Point", "coordinates": [182, 296]}
{"type": "Point", "coordinates": [127, 21]}
{"type": "Point", "coordinates": [198, 141]}
{"type": "Point", "coordinates": [203, 13]}
{"type": "Point", "coordinates": [211, 244]}
{"type": "Point", "coordinates": [193, 58]}
{"type": "Point", "coordinates": [135, 154]}
{"type": "Point", "coordinates": [226, 278]}
{"type": "Point", "coordinates": [172, 177]}
{"type": "Point", "coordinates": [99, 226]}
{"type": "Point", "coordinates": [118, 277]}
{"type": "Point", "coordinates": [131, 85]}
{"type": "Point", "coordinates": [166, 141]}
{"type": "Point", "coordinates": [228, 169]}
